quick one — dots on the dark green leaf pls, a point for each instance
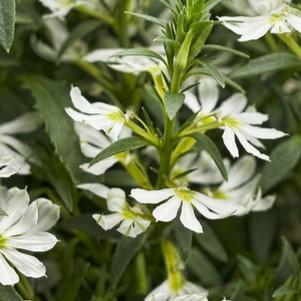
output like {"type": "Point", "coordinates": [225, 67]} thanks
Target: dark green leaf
{"type": "Point", "coordinates": [227, 49]}
{"type": "Point", "coordinates": [120, 146]}
{"type": "Point", "coordinates": [139, 52]}
{"type": "Point", "coordinates": [125, 251]}
{"type": "Point", "coordinates": [183, 239]}
{"type": "Point", "coordinates": [205, 143]}
{"type": "Point", "coordinates": [173, 103]}
{"type": "Point", "coordinates": [268, 63]}
{"type": "Point", "coordinates": [7, 23]}
{"type": "Point", "coordinates": [8, 293]}
{"type": "Point", "coordinates": [148, 18]}
{"type": "Point", "coordinates": [52, 97]}
{"type": "Point", "coordinates": [283, 159]}
{"type": "Point", "coordinates": [211, 4]}
{"type": "Point", "coordinates": [201, 267]}
{"type": "Point", "coordinates": [214, 72]}
{"type": "Point", "coordinates": [211, 244]}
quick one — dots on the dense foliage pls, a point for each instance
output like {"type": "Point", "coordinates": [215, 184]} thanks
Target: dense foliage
{"type": "Point", "coordinates": [160, 144]}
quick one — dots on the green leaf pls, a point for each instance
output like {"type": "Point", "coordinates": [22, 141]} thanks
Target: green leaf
{"type": "Point", "coordinates": [200, 266]}
{"type": "Point", "coordinates": [8, 293]}
{"type": "Point", "coordinates": [79, 31]}
{"type": "Point", "coordinates": [283, 159]}
{"type": "Point", "coordinates": [211, 4]}
{"type": "Point", "coordinates": [7, 23]}
{"type": "Point", "coordinates": [140, 52]}
{"type": "Point", "coordinates": [183, 239]}
{"type": "Point", "coordinates": [215, 73]}
{"type": "Point", "coordinates": [289, 263]}
{"type": "Point", "coordinates": [120, 146]}
{"type": "Point", "coordinates": [268, 63]}
{"type": "Point", "coordinates": [227, 49]}
{"type": "Point", "coordinates": [173, 103]}
{"type": "Point", "coordinates": [70, 286]}
{"type": "Point", "coordinates": [125, 251]}
{"type": "Point", "coordinates": [205, 143]}
{"type": "Point", "coordinates": [52, 97]}
{"type": "Point", "coordinates": [211, 244]}
{"type": "Point", "coordinates": [148, 18]}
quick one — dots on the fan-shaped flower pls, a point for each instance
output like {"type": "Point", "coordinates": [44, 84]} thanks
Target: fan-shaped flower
{"type": "Point", "coordinates": [23, 227]}
{"type": "Point", "coordinates": [11, 147]}
{"type": "Point", "coordinates": [237, 121]}
{"type": "Point", "coordinates": [98, 115]}
{"type": "Point", "coordinates": [92, 142]}
{"type": "Point", "coordinates": [174, 198]}
{"type": "Point", "coordinates": [275, 16]}
{"type": "Point", "coordinates": [132, 221]}
{"type": "Point", "coordinates": [188, 292]}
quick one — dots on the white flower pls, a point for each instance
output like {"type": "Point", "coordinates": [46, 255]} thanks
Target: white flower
{"type": "Point", "coordinates": [188, 292]}
{"type": "Point", "coordinates": [8, 167]}
{"type": "Point", "coordinates": [98, 115]}
{"type": "Point", "coordinates": [128, 64]}
{"type": "Point", "coordinates": [131, 220]}
{"type": "Point", "coordinates": [174, 198]}
{"type": "Point", "coordinates": [11, 147]}
{"type": "Point", "coordinates": [237, 121]}
{"type": "Point", "coordinates": [242, 188]}
{"type": "Point", "coordinates": [60, 8]}
{"type": "Point", "coordinates": [24, 227]}
{"type": "Point", "coordinates": [274, 16]}
{"type": "Point", "coordinates": [92, 142]}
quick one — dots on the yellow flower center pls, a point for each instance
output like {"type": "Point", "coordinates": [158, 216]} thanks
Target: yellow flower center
{"type": "Point", "coordinates": [128, 214]}
{"type": "Point", "coordinates": [231, 122]}
{"type": "Point", "coordinates": [116, 116]}
{"type": "Point", "coordinates": [3, 242]}
{"type": "Point", "coordinates": [185, 194]}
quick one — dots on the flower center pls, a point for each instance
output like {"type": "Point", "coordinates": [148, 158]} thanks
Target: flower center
{"type": "Point", "coordinates": [185, 194]}
{"type": "Point", "coordinates": [231, 122]}
{"type": "Point", "coordinates": [116, 116]}
{"type": "Point", "coordinates": [128, 214]}
{"type": "Point", "coordinates": [3, 241]}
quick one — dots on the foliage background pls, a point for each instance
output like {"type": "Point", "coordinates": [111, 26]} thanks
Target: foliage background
{"type": "Point", "coordinates": [256, 257]}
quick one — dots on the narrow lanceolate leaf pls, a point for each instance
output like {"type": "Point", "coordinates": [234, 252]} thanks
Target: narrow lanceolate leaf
{"type": "Point", "coordinates": [214, 72]}
{"type": "Point", "coordinates": [268, 63]}
{"type": "Point", "coordinates": [148, 18]}
{"type": "Point", "coordinates": [211, 244]}
{"type": "Point", "coordinates": [173, 103]}
{"type": "Point", "coordinates": [211, 4]}
{"type": "Point", "coordinates": [8, 293]}
{"type": "Point", "coordinates": [52, 97]}
{"type": "Point", "coordinates": [283, 159]}
{"type": "Point", "coordinates": [7, 23]}
{"type": "Point", "coordinates": [80, 31]}
{"type": "Point", "coordinates": [205, 143]}
{"type": "Point", "coordinates": [139, 52]}
{"type": "Point", "coordinates": [120, 146]}
{"type": "Point", "coordinates": [125, 251]}
{"type": "Point", "coordinates": [226, 49]}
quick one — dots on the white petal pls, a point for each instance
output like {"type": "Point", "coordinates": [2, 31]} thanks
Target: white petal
{"type": "Point", "coordinates": [192, 102]}
{"type": "Point", "coordinates": [133, 228]}
{"type": "Point", "coordinates": [116, 200]}
{"type": "Point", "coordinates": [26, 264]}
{"type": "Point", "coordinates": [23, 124]}
{"type": "Point", "coordinates": [26, 223]}
{"type": "Point", "coordinates": [249, 147]}
{"type": "Point", "coordinates": [37, 242]}
{"type": "Point", "coordinates": [280, 27]}
{"type": "Point", "coordinates": [151, 196]}
{"type": "Point", "coordinates": [48, 214]}
{"type": "Point", "coordinates": [17, 145]}
{"type": "Point", "coordinates": [167, 211]}
{"type": "Point", "coordinates": [263, 133]}
{"type": "Point", "coordinates": [108, 221]}
{"type": "Point", "coordinates": [229, 141]}
{"type": "Point", "coordinates": [253, 117]}
{"type": "Point", "coordinates": [294, 21]}
{"type": "Point", "coordinates": [188, 218]}
{"type": "Point", "coordinates": [8, 167]}
{"type": "Point", "coordinates": [208, 93]}
{"type": "Point", "coordinates": [100, 167]}
{"type": "Point", "coordinates": [96, 188]}
{"type": "Point", "coordinates": [240, 173]}
{"type": "Point", "coordinates": [7, 274]}
{"type": "Point", "coordinates": [265, 203]}
{"type": "Point", "coordinates": [233, 105]}
{"type": "Point", "coordinates": [101, 55]}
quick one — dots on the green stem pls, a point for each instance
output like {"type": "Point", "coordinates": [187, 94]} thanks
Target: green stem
{"type": "Point", "coordinates": [107, 19]}
{"type": "Point", "coordinates": [141, 274]}
{"type": "Point", "coordinates": [291, 43]}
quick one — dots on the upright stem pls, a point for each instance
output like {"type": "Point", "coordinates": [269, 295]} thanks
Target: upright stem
{"type": "Point", "coordinates": [291, 44]}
